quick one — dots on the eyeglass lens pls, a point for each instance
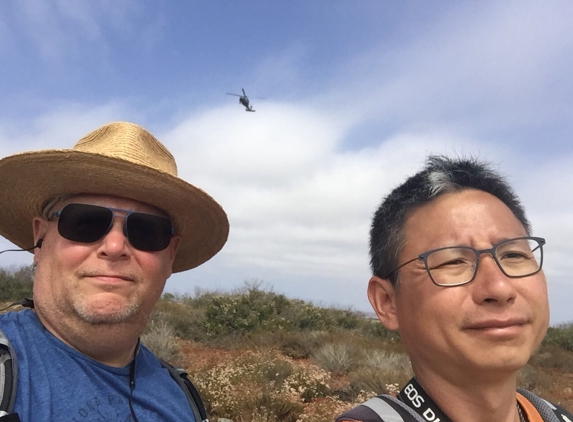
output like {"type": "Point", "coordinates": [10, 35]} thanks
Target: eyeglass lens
{"type": "Point", "coordinates": [457, 265]}
{"type": "Point", "coordinates": [89, 223]}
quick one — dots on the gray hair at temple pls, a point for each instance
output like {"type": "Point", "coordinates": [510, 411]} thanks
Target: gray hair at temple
{"type": "Point", "coordinates": [440, 175]}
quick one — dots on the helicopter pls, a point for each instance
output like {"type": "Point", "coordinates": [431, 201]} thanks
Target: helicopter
{"type": "Point", "coordinates": [244, 100]}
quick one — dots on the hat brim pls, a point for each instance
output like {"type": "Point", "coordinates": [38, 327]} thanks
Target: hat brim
{"type": "Point", "coordinates": [30, 178]}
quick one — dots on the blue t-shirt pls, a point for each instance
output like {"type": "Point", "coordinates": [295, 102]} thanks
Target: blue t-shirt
{"type": "Point", "coordinates": [58, 383]}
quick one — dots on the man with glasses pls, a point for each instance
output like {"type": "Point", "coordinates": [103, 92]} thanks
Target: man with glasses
{"type": "Point", "coordinates": [108, 222]}
{"type": "Point", "coordinates": [458, 273]}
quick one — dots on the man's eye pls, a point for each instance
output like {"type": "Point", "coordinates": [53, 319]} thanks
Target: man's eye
{"type": "Point", "coordinates": [515, 255]}
{"type": "Point", "coordinates": [457, 261]}
{"type": "Point", "coordinates": [452, 263]}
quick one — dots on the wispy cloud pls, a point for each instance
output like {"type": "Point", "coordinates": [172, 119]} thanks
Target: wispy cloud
{"type": "Point", "coordinates": [57, 29]}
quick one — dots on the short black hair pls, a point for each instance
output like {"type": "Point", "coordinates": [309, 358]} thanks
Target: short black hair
{"type": "Point", "coordinates": [440, 175]}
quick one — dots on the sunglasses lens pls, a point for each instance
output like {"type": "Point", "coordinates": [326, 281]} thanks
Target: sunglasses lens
{"type": "Point", "coordinates": [148, 232]}
{"type": "Point", "coordinates": [84, 223]}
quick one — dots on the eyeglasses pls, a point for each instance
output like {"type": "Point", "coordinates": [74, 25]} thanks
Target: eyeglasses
{"type": "Point", "coordinates": [89, 223]}
{"type": "Point", "coordinates": [458, 265]}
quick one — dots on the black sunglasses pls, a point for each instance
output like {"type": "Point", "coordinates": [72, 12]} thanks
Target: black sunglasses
{"type": "Point", "coordinates": [89, 223]}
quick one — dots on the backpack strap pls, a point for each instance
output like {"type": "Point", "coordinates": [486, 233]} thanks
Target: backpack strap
{"type": "Point", "coordinates": [182, 379]}
{"type": "Point", "coordinates": [8, 380]}
{"type": "Point", "coordinates": [550, 412]}
{"type": "Point", "coordinates": [382, 408]}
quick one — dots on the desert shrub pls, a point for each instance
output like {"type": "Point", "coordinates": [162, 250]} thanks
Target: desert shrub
{"type": "Point", "coordinates": [337, 357]}
{"type": "Point", "coordinates": [382, 372]}
{"type": "Point", "coordinates": [306, 316]}
{"type": "Point", "coordinates": [552, 356]}
{"type": "Point", "coordinates": [294, 344]}
{"type": "Point", "coordinates": [200, 298]}
{"type": "Point", "coordinates": [245, 312]}
{"type": "Point", "coordinates": [346, 319]}
{"type": "Point", "coordinates": [373, 328]}
{"type": "Point", "coordinates": [169, 297]}
{"type": "Point", "coordinates": [186, 321]}
{"type": "Point", "coordinates": [561, 336]}
{"type": "Point", "coordinates": [302, 315]}
{"type": "Point", "coordinates": [239, 387]}
{"type": "Point", "coordinates": [253, 309]}
{"type": "Point", "coordinates": [323, 410]}
{"type": "Point", "coordinates": [327, 408]}
{"type": "Point", "coordinates": [159, 337]}
{"type": "Point", "coordinates": [527, 377]}
{"type": "Point", "coordinates": [248, 315]}
{"type": "Point", "coordinates": [16, 284]}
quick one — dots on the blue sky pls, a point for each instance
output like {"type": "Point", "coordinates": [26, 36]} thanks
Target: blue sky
{"type": "Point", "coordinates": [350, 99]}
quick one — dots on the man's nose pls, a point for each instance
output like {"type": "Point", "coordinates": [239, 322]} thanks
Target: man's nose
{"type": "Point", "coordinates": [491, 284]}
{"type": "Point", "coordinates": [115, 243]}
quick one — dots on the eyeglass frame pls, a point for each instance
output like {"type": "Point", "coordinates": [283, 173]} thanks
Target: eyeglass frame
{"type": "Point", "coordinates": [478, 252]}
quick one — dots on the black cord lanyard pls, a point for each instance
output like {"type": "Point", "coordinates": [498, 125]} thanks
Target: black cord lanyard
{"type": "Point", "coordinates": [132, 382]}
{"type": "Point", "coordinates": [420, 402]}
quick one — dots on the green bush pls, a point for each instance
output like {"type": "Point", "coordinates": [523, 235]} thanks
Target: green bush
{"type": "Point", "coordinates": [16, 284]}
{"type": "Point", "coordinates": [253, 309]}
{"type": "Point", "coordinates": [372, 328]}
{"type": "Point", "coordinates": [553, 356]}
{"type": "Point", "coordinates": [294, 344]}
{"type": "Point", "coordinates": [561, 336]}
{"type": "Point", "coordinates": [186, 321]}
{"type": "Point", "coordinates": [243, 313]}
{"type": "Point", "coordinates": [306, 316]}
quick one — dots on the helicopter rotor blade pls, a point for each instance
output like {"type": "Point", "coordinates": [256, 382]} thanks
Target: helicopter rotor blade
{"type": "Point", "coordinates": [236, 95]}
{"type": "Point", "coordinates": [243, 92]}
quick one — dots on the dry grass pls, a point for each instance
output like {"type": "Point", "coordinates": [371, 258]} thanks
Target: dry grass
{"type": "Point", "coordinates": [382, 371]}
{"type": "Point", "coordinates": [159, 337]}
{"type": "Point", "coordinates": [338, 357]}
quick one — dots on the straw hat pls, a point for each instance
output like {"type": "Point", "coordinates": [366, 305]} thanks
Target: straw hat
{"type": "Point", "coordinates": [119, 159]}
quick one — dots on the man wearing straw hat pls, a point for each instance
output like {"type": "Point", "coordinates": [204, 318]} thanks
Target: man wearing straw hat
{"type": "Point", "coordinates": [109, 221]}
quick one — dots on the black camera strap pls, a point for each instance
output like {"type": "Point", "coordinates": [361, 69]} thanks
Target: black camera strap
{"type": "Point", "coordinates": [420, 402]}
{"type": "Point", "coordinates": [414, 404]}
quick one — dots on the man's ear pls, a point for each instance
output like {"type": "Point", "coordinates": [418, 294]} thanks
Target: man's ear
{"type": "Point", "coordinates": [39, 229]}
{"type": "Point", "coordinates": [382, 296]}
